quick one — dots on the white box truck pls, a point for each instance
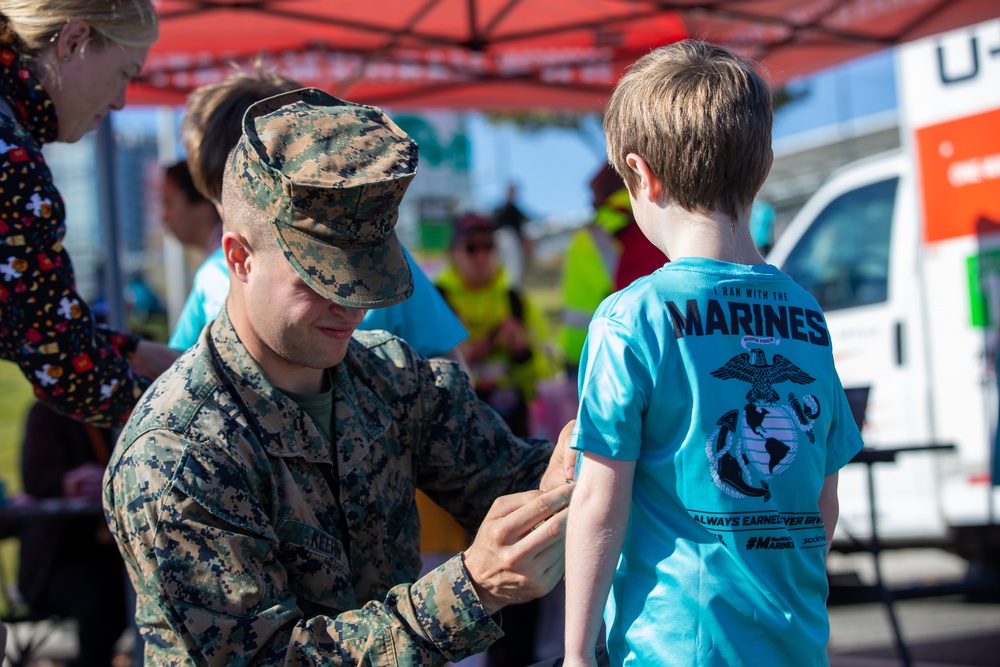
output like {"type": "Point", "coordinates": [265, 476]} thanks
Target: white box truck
{"type": "Point", "coordinates": [902, 251]}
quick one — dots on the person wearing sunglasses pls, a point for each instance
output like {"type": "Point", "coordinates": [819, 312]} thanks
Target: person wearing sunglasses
{"type": "Point", "coordinates": [507, 353]}
{"type": "Point", "coordinates": [507, 348]}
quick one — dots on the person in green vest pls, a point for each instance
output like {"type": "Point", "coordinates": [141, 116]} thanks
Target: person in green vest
{"type": "Point", "coordinates": [507, 354]}
{"type": "Point", "coordinates": [603, 257]}
{"type": "Point", "coordinates": [507, 348]}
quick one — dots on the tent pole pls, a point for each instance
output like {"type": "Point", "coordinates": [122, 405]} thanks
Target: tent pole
{"type": "Point", "coordinates": [112, 282]}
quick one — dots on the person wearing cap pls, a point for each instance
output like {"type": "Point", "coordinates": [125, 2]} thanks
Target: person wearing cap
{"type": "Point", "coordinates": [212, 126]}
{"type": "Point", "coordinates": [262, 493]}
{"type": "Point", "coordinates": [603, 257]}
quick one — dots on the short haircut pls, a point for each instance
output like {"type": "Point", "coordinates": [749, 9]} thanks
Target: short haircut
{"type": "Point", "coordinates": [700, 116]}
{"type": "Point", "coordinates": [179, 174]}
{"type": "Point", "coordinates": [213, 123]}
{"type": "Point", "coordinates": [242, 215]}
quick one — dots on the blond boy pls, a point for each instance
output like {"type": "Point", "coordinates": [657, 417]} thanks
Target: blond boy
{"type": "Point", "coordinates": [712, 422]}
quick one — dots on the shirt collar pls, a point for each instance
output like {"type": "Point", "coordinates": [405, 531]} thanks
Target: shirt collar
{"type": "Point", "coordinates": [360, 417]}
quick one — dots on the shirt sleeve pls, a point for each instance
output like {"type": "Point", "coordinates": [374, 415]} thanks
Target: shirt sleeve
{"type": "Point", "coordinates": [425, 320]}
{"type": "Point", "coordinates": [190, 323]}
{"type": "Point", "coordinates": [45, 326]}
{"type": "Point", "coordinates": [202, 553]}
{"type": "Point", "coordinates": [466, 454]}
{"type": "Point", "coordinates": [614, 392]}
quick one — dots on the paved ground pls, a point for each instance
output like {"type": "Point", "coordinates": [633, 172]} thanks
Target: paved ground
{"type": "Point", "coordinates": [940, 631]}
{"type": "Point", "coordinates": [937, 631]}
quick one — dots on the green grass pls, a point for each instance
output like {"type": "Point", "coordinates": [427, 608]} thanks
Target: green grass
{"type": "Point", "coordinates": [16, 398]}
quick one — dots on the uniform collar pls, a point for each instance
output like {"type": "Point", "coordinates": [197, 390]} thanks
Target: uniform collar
{"type": "Point", "coordinates": [27, 97]}
{"type": "Point", "coordinates": [284, 428]}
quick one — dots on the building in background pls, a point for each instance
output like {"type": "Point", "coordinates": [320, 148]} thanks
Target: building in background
{"type": "Point", "coordinates": [75, 171]}
{"type": "Point", "coordinates": [846, 113]}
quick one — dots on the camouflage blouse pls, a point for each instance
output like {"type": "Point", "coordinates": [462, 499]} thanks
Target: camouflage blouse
{"type": "Point", "coordinates": [248, 536]}
{"type": "Point", "coordinates": [45, 326]}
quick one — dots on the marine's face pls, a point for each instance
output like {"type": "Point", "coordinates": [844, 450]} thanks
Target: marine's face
{"type": "Point", "coordinates": [297, 331]}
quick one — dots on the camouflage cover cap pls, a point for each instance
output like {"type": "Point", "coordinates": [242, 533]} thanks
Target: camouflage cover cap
{"type": "Point", "coordinates": [331, 175]}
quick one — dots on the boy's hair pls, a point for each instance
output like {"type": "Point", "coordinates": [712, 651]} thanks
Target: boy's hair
{"type": "Point", "coordinates": [244, 216]}
{"type": "Point", "coordinates": [213, 122]}
{"type": "Point", "coordinates": [700, 116]}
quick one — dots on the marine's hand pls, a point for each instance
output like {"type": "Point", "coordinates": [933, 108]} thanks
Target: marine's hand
{"type": "Point", "coordinates": [563, 461]}
{"type": "Point", "coordinates": [517, 555]}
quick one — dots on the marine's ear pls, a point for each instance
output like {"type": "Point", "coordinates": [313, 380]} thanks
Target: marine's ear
{"type": "Point", "coordinates": [237, 251]}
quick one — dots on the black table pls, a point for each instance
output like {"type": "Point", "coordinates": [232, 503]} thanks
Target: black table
{"type": "Point", "coordinates": [20, 511]}
{"type": "Point", "coordinates": [14, 514]}
{"type": "Point", "coordinates": [870, 456]}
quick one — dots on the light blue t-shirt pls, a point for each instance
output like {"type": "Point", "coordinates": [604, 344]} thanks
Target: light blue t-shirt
{"type": "Point", "coordinates": [205, 300]}
{"type": "Point", "coordinates": [425, 320]}
{"type": "Point", "coordinates": [718, 379]}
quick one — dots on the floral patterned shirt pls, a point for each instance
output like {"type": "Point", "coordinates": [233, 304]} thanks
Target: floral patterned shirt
{"type": "Point", "coordinates": [77, 367]}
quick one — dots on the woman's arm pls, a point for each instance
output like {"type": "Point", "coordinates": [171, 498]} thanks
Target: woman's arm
{"type": "Point", "coordinates": [598, 516]}
{"type": "Point", "coordinates": [151, 359]}
{"type": "Point", "coordinates": [46, 326]}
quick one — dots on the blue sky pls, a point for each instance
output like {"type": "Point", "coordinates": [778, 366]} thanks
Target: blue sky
{"type": "Point", "coordinates": [551, 168]}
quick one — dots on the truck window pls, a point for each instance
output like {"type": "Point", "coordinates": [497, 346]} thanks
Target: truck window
{"type": "Point", "coordinates": [843, 257]}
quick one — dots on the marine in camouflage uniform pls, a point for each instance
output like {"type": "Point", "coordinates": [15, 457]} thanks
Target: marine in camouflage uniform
{"type": "Point", "coordinates": [253, 533]}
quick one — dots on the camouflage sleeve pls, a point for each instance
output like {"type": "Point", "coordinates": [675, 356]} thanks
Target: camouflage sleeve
{"type": "Point", "coordinates": [211, 579]}
{"type": "Point", "coordinates": [467, 457]}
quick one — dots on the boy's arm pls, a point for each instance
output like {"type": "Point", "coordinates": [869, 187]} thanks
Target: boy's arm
{"type": "Point", "coordinates": [829, 506]}
{"type": "Point", "coordinates": [598, 516]}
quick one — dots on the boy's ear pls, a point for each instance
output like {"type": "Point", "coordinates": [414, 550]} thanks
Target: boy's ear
{"type": "Point", "coordinates": [649, 186]}
{"type": "Point", "coordinates": [236, 250]}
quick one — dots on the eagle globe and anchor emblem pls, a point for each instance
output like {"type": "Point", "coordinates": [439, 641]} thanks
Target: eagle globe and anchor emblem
{"type": "Point", "coordinates": [754, 443]}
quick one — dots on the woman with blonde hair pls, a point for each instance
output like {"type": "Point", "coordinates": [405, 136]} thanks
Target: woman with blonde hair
{"type": "Point", "coordinates": [64, 66]}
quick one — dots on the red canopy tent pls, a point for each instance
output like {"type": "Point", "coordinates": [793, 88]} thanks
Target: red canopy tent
{"type": "Point", "coordinates": [512, 54]}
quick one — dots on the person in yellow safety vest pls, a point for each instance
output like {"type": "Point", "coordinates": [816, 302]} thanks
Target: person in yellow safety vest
{"type": "Point", "coordinates": [507, 350]}
{"type": "Point", "coordinates": [603, 257]}
{"type": "Point", "coordinates": [507, 354]}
